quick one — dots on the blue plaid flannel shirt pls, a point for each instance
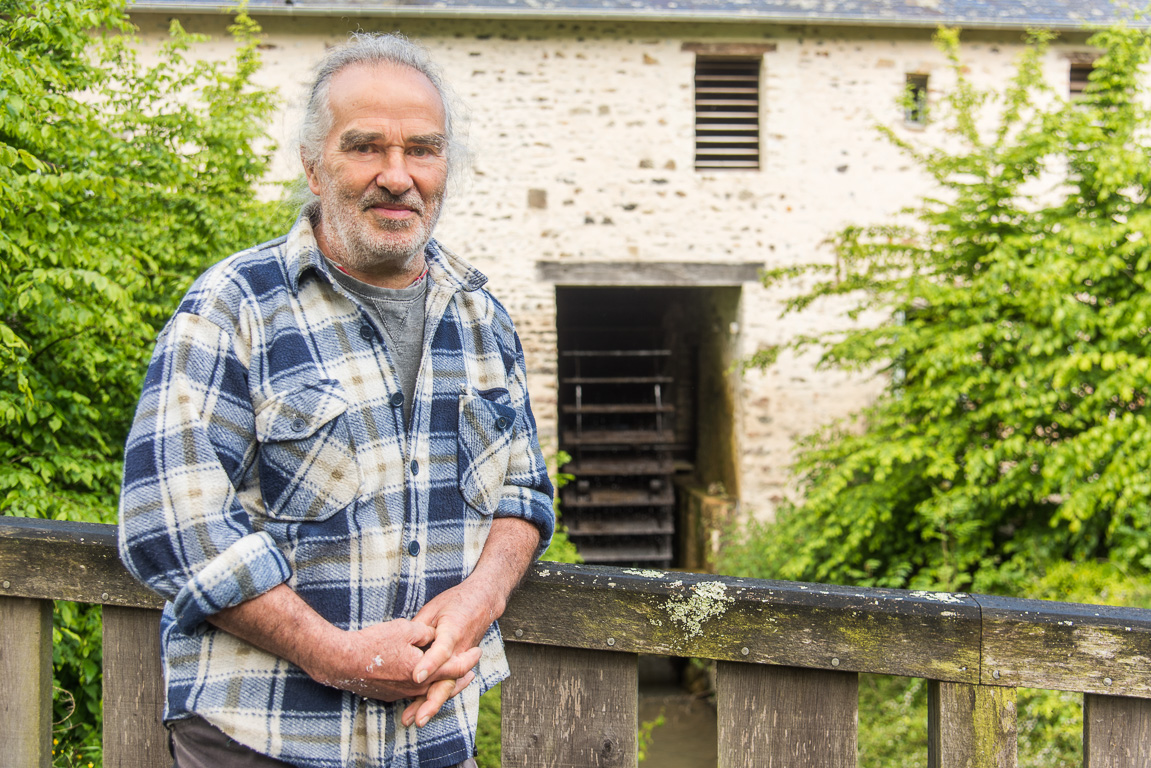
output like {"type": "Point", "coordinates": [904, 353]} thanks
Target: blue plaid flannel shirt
{"type": "Point", "coordinates": [269, 447]}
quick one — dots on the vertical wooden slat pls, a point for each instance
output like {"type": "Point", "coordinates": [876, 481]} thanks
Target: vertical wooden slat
{"type": "Point", "coordinates": [567, 707]}
{"type": "Point", "coordinates": [25, 682]}
{"type": "Point", "coordinates": [785, 717]}
{"type": "Point", "coordinates": [1116, 732]}
{"type": "Point", "coordinates": [971, 726]}
{"type": "Point", "coordinates": [134, 734]}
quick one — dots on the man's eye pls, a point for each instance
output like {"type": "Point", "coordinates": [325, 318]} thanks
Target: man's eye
{"type": "Point", "coordinates": [362, 149]}
{"type": "Point", "coordinates": [422, 152]}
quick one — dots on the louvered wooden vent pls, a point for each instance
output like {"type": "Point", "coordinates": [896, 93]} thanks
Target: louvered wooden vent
{"type": "Point", "coordinates": [1080, 71]}
{"type": "Point", "coordinates": [727, 113]}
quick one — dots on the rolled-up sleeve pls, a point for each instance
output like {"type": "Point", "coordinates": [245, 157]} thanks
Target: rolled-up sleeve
{"type": "Point", "coordinates": [183, 531]}
{"type": "Point", "coordinates": [527, 491]}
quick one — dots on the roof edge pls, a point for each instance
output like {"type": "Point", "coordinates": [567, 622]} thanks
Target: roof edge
{"type": "Point", "coordinates": [526, 14]}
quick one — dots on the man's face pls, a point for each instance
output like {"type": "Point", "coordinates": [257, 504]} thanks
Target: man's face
{"type": "Point", "coordinates": [383, 168]}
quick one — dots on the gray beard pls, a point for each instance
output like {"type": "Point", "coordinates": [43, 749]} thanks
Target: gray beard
{"type": "Point", "coordinates": [364, 254]}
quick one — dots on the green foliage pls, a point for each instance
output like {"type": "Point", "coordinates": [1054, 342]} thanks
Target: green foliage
{"type": "Point", "coordinates": [561, 549]}
{"type": "Point", "coordinates": [1014, 431]}
{"type": "Point", "coordinates": [1010, 451]}
{"type": "Point", "coordinates": [76, 663]}
{"type": "Point", "coordinates": [115, 191]}
{"type": "Point", "coordinates": [119, 183]}
{"type": "Point", "coordinates": [488, 730]}
{"type": "Point", "coordinates": [643, 737]}
{"type": "Point", "coordinates": [892, 722]}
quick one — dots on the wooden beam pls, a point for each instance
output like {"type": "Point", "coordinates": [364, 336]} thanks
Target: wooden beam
{"type": "Point", "coordinates": [729, 49]}
{"type": "Point", "coordinates": [1116, 732]}
{"type": "Point", "coordinates": [915, 634]}
{"type": "Point", "coordinates": [57, 560]}
{"type": "Point", "coordinates": [971, 726]}
{"type": "Point", "coordinates": [134, 733]}
{"type": "Point", "coordinates": [782, 717]}
{"type": "Point", "coordinates": [567, 708]}
{"type": "Point", "coordinates": [26, 682]}
{"type": "Point", "coordinates": [937, 636]}
{"type": "Point", "coordinates": [664, 273]}
{"type": "Point", "coordinates": [1066, 646]}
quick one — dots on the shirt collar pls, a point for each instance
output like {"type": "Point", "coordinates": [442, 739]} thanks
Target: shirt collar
{"type": "Point", "coordinates": [302, 254]}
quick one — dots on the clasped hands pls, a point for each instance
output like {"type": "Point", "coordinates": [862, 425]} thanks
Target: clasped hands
{"type": "Point", "coordinates": [428, 659]}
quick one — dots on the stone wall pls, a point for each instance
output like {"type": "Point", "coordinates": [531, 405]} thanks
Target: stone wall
{"type": "Point", "coordinates": [582, 135]}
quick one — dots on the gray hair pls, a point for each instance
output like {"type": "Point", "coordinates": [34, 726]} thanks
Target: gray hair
{"type": "Point", "coordinates": [374, 48]}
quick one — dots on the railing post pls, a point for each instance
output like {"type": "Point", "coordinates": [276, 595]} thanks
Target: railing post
{"type": "Point", "coordinates": [1116, 732]}
{"type": "Point", "coordinates": [26, 682]}
{"type": "Point", "coordinates": [134, 735]}
{"type": "Point", "coordinates": [786, 717]}
{"type": "Point", "coordinates": [971, 726]}
{"type": "Point", "coordinates": [564, 707]}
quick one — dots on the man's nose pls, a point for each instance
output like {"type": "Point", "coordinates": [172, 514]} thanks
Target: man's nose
{"type": "Point", "coordinates": [393, 175]}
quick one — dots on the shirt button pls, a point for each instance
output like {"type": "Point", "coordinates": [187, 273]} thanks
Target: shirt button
{"type": "Point", "coordinates": [414, 548]}
{"type": "Point", "coordinates": [366, 332]}
{"type": "Point", "coordinates": [502, 422]}
{"type": "Point", "coordinates": [397, 399]}
{"type": "Point", "coordinates": [299, 425]}
{"type": "Point", "coordinates": [415, 467]}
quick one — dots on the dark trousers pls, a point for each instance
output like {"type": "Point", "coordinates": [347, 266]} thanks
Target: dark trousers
{"type": "Point", "coordinates": [196, 743]}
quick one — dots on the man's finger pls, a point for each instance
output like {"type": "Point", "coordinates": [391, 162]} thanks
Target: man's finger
{"type": "Point", "coordinates": [421, 633]}
{"type": "Point", "coordinates": [443, 649]}
{"type": "Point", "coordinates": [429, 704]}
{"type": "Point", "coordinates": [437, 696]}
{"type": "Point", "coordinates": [430, 707]}
{"type": "Point", "coordinates": [454, 668]}
{"type": "Point", "coordinates": [409, 715]}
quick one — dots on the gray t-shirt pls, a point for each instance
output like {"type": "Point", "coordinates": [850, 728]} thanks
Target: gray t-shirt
{"type": "Point", "coordinates": [400, 314]}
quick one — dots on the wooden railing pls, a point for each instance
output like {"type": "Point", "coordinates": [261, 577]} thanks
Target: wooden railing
{"type": "Point", "coordinates": [788, 656]}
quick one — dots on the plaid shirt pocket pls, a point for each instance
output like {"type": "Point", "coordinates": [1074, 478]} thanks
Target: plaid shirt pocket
{"type": "Point", "coordinates": [487, 426]}
{"type": "Point", "coordinates": [307, 461]}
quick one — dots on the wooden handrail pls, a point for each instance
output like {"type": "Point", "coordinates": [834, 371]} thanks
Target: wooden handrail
{"type": "Point", "coordinates": [586, 623]}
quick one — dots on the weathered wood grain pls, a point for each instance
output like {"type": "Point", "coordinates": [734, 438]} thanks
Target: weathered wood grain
{"type": "Point", "coordinates": [52, 559]}
{"type": "Point", "coordinates": [25, 682]}
{"type": "Point", "coordinates": [782, 717]}
{"type": "Point", "coordinates": [937, 636]}
{"type": "Point", "coordinates": [895, 632]}
{"type": "Point", "coordinates": [134, 734]}
{"type": "Point", "coordinates": [1116, 732]}
{"type": "Point", "coordinates": [567, 708]}
{"type": "Point", "coordinates": [971, 726]}
{"type": "Point", "coordinates": [1066, 646]}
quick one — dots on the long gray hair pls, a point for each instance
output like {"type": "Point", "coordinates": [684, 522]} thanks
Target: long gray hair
{"type": "Point", "coordinates": [374, 48]}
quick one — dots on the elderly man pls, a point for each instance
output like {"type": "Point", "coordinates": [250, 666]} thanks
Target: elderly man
{"type": "Point", "coordinates": [334, 475]}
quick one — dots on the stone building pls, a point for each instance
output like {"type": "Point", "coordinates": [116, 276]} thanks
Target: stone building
{"type": "Point", "coordinates": [636, 162]}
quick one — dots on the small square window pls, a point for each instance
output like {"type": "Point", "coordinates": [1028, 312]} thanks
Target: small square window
{"type": "Point", "coordinates": [915, 100]}
{"type": "Point", "coordinates": [727, 113]}
{"type": "Point", "coordinates": [1079, 76]}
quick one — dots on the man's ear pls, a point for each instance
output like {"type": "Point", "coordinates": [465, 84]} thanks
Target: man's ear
{"type": "Point", "coordinates": [310, 173]}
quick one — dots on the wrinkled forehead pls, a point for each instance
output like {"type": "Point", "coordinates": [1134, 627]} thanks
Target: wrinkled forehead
{"type": "Point", "coordinates": [387, 91]}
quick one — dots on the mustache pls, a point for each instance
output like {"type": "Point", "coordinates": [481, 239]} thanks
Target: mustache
{"type": "Point", "coordinates": [410, 199]}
